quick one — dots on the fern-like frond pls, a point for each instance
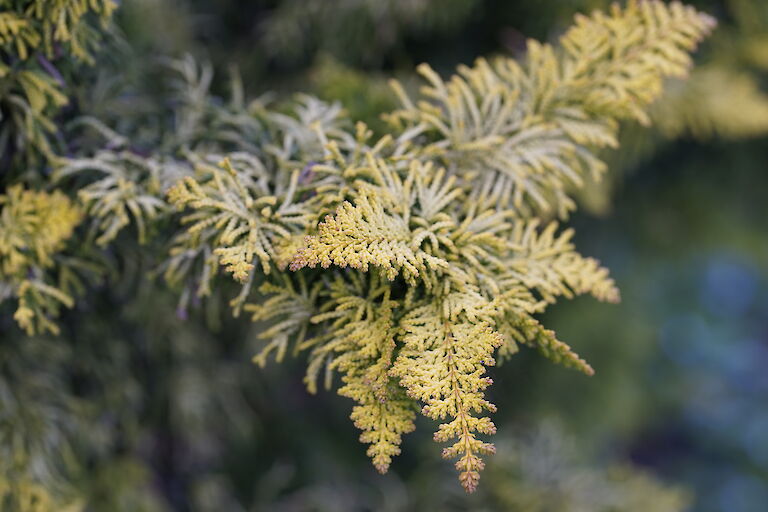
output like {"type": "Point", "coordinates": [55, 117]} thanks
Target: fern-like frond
{"type": "Point", "coordinates": [384, 417]}
{"type": "Point", "coordinates": [239, 208]}
{"type": "Point", "coordinates": [546, 262]}
{"type": "Point", "coordinates": [359, 342]}
{"type": "Point", "coordinates": [288, 309]}
{"type": "Point", "coordinates": [309, 127]}
{"type": "Point", "coordinates": [442, 364]}
{"type": "Point", "coordinates": [526, 330]}
{"type": "Point", "coordinates": [366, 234]}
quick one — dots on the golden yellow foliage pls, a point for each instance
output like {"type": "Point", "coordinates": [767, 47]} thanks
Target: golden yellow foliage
{"type": "Point", "coordinates": [421, 256]}
{"type": "Point", "coordinates": [34, 227]}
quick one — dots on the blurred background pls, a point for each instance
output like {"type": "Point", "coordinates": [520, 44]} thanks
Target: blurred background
{"type": "Point", "coordinates": [137, 410]}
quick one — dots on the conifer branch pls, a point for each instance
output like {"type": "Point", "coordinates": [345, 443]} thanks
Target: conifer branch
{"type": "Point", "coordinates": [359, 341]}
{"type": "Point", "coordinates": [530, 129]}
{"type": "Point", "coordinates": [126, 187]}
{"type": "Point", "coordinates": [442, 364]}
{"type": "Point", "coordinates": [245, 216]}
{"type": "Point", "coordinates": [432, 259]}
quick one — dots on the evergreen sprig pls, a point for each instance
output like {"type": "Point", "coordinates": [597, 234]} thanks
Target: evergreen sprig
{"type": "Point", "coordinates": [406, 263]}
{"type": "Point", "coordinates": [34, 35]}
{"type": "Point", "coordinates": [447, 211]}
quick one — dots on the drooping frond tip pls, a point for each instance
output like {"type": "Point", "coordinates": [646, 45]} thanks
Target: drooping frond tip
{"type": "Point", "coordinates": [442, 364]}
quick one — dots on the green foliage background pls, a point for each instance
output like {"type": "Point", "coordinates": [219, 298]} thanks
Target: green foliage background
{"type": "Point", "coordinates": [131, 408]}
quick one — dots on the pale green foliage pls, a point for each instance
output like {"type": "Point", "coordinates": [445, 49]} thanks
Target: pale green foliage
{"type": "Point", "coordinates": [292, 308]}
{"type": "Point", "coordinates": [619, 60]}
{"type": "Point", "coordinates": [530, 129]}
{"type": "Point", "coordinates": [126, 186]}
{"type": "Point", "coordinates": [237, 217]}
{"type": "Point", "coordinates": [547, 263]}
{"type": "Point", "coordinates": [445, 325]}
{"type": "Point", "coordinates": [273, 175]}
